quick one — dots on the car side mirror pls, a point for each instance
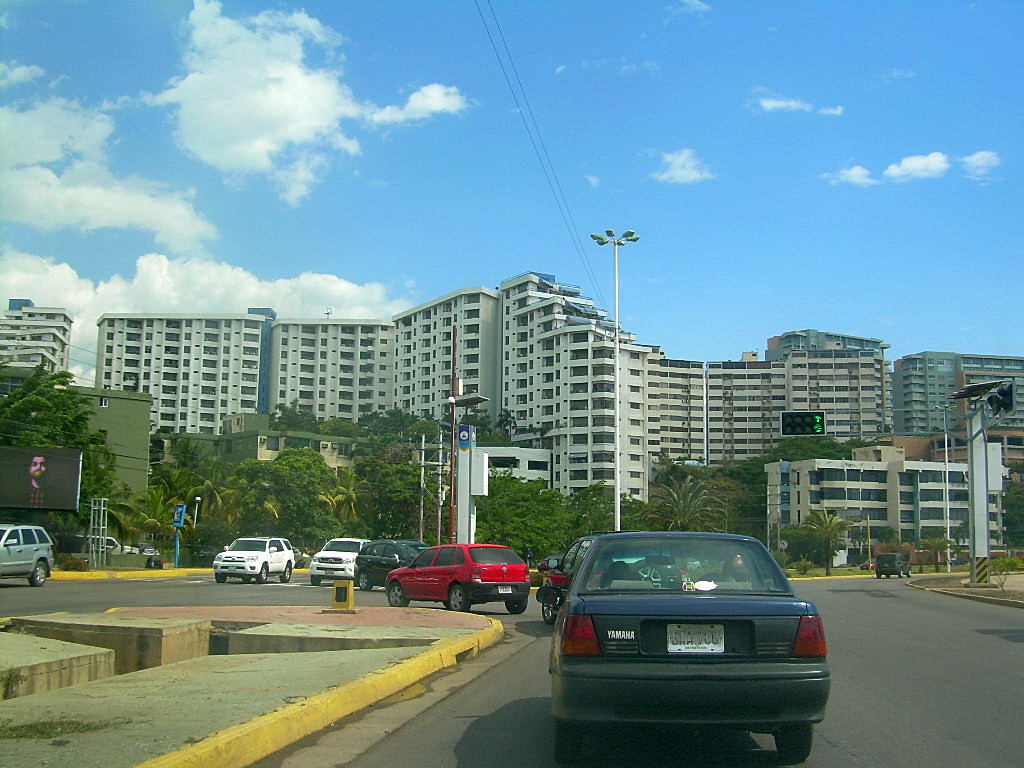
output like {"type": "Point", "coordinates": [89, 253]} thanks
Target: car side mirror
{"type": "Point", "coordinates": [225, 547]}
{"type": "Point", "coordinates": [393, 557]}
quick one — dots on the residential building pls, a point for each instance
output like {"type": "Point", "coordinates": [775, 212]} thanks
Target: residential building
{"type": "Point", "coordinates": [744, 399]}
{"type": "Point", "coordinates": [525, 463]}
{"type": "Point", "coordinates": [332, 367]}
{"type": "Point", "coordinates": [675, 407]}
{"type": "Point", "coordinates": [923, 382]}
{"type": "Point", "coordinates": [122, 417]}
{"type": "Point", "coordinates": [882, 485]}
{"type": "Point", "coordinates": [423, 352]}
{"type": "Point", "coordinates": [31, 336]}
{"type": "Point", "coordinates": [558, 374]}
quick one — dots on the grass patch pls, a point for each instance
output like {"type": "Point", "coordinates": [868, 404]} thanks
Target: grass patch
{"type": "Point", "coordinates": [49, 729]}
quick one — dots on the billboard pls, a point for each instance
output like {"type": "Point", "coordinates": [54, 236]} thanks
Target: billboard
{"type": "Point", "coordinates": [39, 478]}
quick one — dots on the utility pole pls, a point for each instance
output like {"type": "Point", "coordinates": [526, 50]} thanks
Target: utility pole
{"type": "Point", "coordinates": [423, 448]}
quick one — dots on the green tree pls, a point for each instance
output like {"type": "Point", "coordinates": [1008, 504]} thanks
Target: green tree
{"type": "Point", "coordinates": [339, 427]}
{"type": "Point", "coordinates": [935, 546]}
{"type": "Point", "coordinates": [687, 505]}
{"type": "Point", "coordinates": [1013, 510]}
{"type": "Point", "coordinates": [526, 516]}
{"type": "Point", "coordinates": [294, 418]}
{"type": "Point", "coordinates": [828, 532]}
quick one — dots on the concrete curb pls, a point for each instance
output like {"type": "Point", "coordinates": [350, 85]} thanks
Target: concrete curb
{"type": "Point", "coordinates": [151, 573]}
{"type": "Point", "coordinates": [978, 598]}
{"type": "Point", "coordinates": [244, 744]}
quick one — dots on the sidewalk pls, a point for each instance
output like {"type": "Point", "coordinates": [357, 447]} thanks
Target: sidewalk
{"type": "Point", "coordinates": [280, 673]}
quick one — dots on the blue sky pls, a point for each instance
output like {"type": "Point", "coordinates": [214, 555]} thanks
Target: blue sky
{"type": "Point", "coordinates": [846, 166]}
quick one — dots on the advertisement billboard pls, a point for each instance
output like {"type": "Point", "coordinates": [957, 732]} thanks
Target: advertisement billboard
{"type": "Point", "coordinates": [39, 478]}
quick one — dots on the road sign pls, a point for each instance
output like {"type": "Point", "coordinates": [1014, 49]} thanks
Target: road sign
{"type": "Point", "coordinates": [783, 544]}
{"type": "Point", "coordinates": [179, 515]}
{"type": "Point", "coordinates": [466, 436]}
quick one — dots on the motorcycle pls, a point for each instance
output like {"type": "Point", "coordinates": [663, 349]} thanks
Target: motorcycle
{"type": "Point", "coordinates": [552, 592]}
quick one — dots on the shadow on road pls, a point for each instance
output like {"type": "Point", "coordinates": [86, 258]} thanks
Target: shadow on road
{"type": "Point", "coordinates": [490, 743]}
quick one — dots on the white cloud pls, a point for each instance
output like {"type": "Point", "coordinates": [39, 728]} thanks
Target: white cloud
{"type": "Point", "coordinates": [897, 73]}
{"type": "Point", "coordinates": [162, 284]}
{"type": "Point", "coordinates": [858, 175]}
{"type": "Point", "coordinates": [13, 73]}
{"type": "Point", "coordinates": [53, 175]}
{"type": "Point", "coordinates": [426, 102]}
{"type": "Point", "coordinates": [249, 103]}
{"type": "Point", "coordinates": [980, 164]}
{"type": "Point", "coordinates": [837, 110]}
{"type": "Point", "coordinates": [929, 166]}
{"type": "Point", "coordinates": [594, 181]}
{"type": "Point", "coordinates": [780, 104]}
{"type": "Point", "coordinates": [691, 6]}
{"type": "Point", "coordinates": [682, 167]}
{"type": "Point", "coordinates": [560, 69]}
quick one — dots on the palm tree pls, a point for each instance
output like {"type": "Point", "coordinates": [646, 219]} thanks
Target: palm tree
{"type": "Point", "coordinates": [688, 505]}
{"type": "Point", "coordinates": [828, 532]}
{"type": "Point", "coordinates": [933, 545]}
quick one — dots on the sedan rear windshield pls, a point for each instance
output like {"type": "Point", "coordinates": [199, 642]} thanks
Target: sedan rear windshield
{"type": "Point", "coordinates": [342, 546]}
{"type": "Point", "coordinates": [689, 564]}
{"type": "Point", "coordinates": [494, 556]}
{"type": "Point", "coordinates": [247, 545]}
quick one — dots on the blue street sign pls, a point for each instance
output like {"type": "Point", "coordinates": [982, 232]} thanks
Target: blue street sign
{"type": "Point", "coordinates": [179, 515]}
{"type": "Point", "coordinates": [467, 436]}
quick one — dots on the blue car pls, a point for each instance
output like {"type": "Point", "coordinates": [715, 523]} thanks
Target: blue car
{"type": "Point", "coordinates": [690, 629]}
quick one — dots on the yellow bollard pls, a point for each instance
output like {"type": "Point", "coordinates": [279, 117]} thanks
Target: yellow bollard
{"type": "Point", "coordinates": [343, 597]}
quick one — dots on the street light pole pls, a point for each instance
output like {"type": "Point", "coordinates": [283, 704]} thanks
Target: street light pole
{"type": "Point", "coordinates": [629, 236]}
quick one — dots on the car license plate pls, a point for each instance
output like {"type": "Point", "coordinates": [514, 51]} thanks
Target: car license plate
{"type": "Point", "coordinates": [504, 589]}
{"type": "Point", "coordinates": [696, 638]}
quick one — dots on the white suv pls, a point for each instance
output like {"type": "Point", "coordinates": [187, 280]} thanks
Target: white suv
{"type": "Point", "coordinates": [336, 560]}
{"type": "Point", "coordinates": [254, 558]}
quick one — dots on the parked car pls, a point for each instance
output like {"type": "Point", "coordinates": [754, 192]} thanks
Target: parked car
{"type": "Point", "coordinates": [254, 558]}
{"type": "Point", "coordinates": [26, 551]}
{"type": "Point", "coordinates": [892, 564]}
{"type": "Point", "coordinates": [959, 561]}
{"type": "Point", "coordinates": [692, 629]}
{"type": "Point", "coordinates": [378, 558]}
{"type": "Point", "coordinates": [867, 565]}
{"type": "Point", "coordinates": [337, 560]}
{"type": "Point", "coordinates": [462, 575]}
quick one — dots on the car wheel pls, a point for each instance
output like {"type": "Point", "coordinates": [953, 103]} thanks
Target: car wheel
{"type": "Point", "coordinates": [38, 575]}
{"type": "Point", "coordinates": [567, 742]}
{"type": "Point", "coordinates": [457, 600]}
{"type": "Point", "coordinates": [548, 612]}
{"type": "Point", "coordinates": [363, 582]}
{"type": "Point", "coordinates": [286, 574]}
{"type": "Point", "coordinates": [516, 606]}
{"type": "Point", "coordinates": [220, 578]}
{"type": "Point", "coordinates": [314, 580]}
{"type": "Point", "coordinates": [793, 743]}
{"type": "Point", "coordinates": [263, 575]}
{"type": "Point", "coordinates": [396, 597]}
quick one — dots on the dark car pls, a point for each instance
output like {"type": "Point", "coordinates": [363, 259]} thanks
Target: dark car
{"type": "Point", "coordinates": [462, 575]}
{"type": "Point", "coordinates": [959, 561]}
{"type": "Point", "coordinates": [892, 564]}
{"type": "Point", "coordinates": [378, 558]}
{"type": "Point", "coordinates": [694, 629]}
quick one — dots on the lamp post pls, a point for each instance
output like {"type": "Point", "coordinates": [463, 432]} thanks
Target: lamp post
{"type": "Point", "coordinates": [195, 514]}
{"type": "Point", "coordinates": [629, 236]}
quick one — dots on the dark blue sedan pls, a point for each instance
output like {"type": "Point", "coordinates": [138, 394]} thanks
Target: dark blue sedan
{"type": "Point", "coordinates": [694, 629]}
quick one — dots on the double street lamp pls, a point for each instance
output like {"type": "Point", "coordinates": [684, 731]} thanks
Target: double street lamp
{"type": "Point", "coordinates": [609, 236]}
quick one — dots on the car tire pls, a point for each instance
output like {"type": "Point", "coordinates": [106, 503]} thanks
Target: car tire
{"type": "Point", "coordinates": [567, 746]}
{"type": "Point", "coordinates": [548, 612]}
{"type": "Point", "coordinates": [314, 580]}
{"type": "Point", "coordinates": [396, 596]}
{"type": "Point", "coordinates": [39, 574]}
{"type": "Point", "coordinates": [220, 578]}
{"type": "Point", "coordinates": [457, 598]}
{"type": "Point", "coordinates": [286, 574]}
{"type": "Point", "coordinates": [793, 743]}
{"type": "Point", "coordinates": [363, 582]}
{"type": "Point", "coordinates": [263, 575]}
{"type": "Point", "coordinates": [516, 606]}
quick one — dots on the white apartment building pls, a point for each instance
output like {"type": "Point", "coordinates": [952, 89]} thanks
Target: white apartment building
{"type": "Point", "coordinates": [198, 368]}
{"type": "Point", "coordinates": [881, 484]}
{"type": "Point", "coordinates": [675, 407]}
{"type": "Point", "coordinates": [423, 352]}
{"type": "Point", "coordinates": [557, 352]}
{"type": "Point", "coordinates": [32, 336]}
{"type": "Point", "coordinates": [744, 399]}
{"type": "Point", "coordinates": [332, 367]}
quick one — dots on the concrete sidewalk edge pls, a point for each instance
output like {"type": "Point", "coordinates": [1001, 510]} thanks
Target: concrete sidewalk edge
{"type": "Point", "coordinates": [151, 573]}
{"type": "Point", "coordinates": [244, 744]}
{"type": "Point", "coordinates": [979, 597]}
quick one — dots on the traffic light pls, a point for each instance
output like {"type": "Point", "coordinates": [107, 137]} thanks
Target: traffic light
{"type": "Point", "coordinates": [795, 423]}
{"type": "Point", "coordinates": [1000, 399]}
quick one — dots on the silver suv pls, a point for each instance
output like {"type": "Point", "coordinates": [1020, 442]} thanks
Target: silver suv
{"type": "Point", "coordinates": [26, 551]}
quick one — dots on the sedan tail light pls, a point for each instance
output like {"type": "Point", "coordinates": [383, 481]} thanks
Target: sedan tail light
{"type": "Point", "coordinates": [810, 638]}
{"type": "Point", "coordinates": [579, 638]}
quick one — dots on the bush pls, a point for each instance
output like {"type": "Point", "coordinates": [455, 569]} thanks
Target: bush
{"type": "Point", "coordinates": [71, 563]}
{"type": "Point", "coordinates": [802, 566]}
{"type": "Point", "coordinates": [999, 567]}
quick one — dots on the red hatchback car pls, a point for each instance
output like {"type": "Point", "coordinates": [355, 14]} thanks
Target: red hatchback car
{"type": "Point", "coordinates": [461, 575]}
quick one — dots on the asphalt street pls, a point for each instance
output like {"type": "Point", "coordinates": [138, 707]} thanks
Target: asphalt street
{"type": "Point", "coordinates": [918, 679]}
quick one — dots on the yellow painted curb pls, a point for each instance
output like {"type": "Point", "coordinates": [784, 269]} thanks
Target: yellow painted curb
{"type": "Point", "coordinates": [244, 744]}
{"type": "Point", "coordinates": [149, 573]}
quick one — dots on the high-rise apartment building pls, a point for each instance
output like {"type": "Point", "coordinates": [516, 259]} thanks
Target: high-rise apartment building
{"type": "Point", "coordinates": [744, 398]}
{"type": "Point", "coordinates": [922, 384]}
{"type": "Point", "coordinates": [423, 351]}
{"type": "Point", "coordinates": [675, 407]}
{"type": "Point", "coordinates": [558, 374]}
{"type": "Point", "coordinates": [332, 367]}
{"type": "Point", "coordinates": [32, 336]}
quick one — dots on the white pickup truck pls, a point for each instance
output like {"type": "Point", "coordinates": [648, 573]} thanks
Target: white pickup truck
{"type": "Point", "coordinates": [254, 558]}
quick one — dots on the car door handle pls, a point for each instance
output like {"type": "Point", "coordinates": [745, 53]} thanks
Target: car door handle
{"type": "Point", "coordinates": [451, 572]}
